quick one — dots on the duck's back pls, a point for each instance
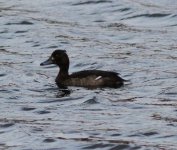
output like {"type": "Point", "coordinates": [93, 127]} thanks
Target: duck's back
{"type": "Point", "coordinates": [94, 78]}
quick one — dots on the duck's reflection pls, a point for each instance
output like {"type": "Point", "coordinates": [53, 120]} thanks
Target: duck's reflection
{"type": "Point", "coordinates": [63, 92]}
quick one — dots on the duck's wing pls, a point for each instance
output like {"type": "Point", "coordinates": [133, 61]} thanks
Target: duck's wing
{"type": "Point", "coordinates": [97, 73]}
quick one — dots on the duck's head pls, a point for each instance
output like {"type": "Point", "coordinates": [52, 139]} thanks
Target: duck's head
{"type": "Point", "coordinates": [58, 57]}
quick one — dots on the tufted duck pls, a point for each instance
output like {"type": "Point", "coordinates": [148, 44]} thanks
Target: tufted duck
{"type": "Point", "coordinates": [86, 78]}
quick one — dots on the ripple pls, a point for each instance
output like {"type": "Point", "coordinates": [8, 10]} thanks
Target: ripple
{"type": "Point", "coordinates": [43, 112]}
{"type": "Point", "coordinates": [150, 133]}
{"type": "Point", "coordinates": [99, 145]}
{"type": "Point", "coordinates": [37, 129]}
{"type": "Point", "coordinates": [91, 101]}
{"type": "Point", "coordinates": [155, 15]}
{"type": "Point", "coordinates": [20, 23]}
{"type": "Point", "coordinates": [36, 45]}
{"type": "Point", "coordinates": [92, 2]}
{"type": "Point", "coordinates": [167, 119]}
{"type": "Point", "coordinates": [4, 31]}
{"type": "Point", "coordinates": [48, 140]}
{"type": "Point", "coordinates": [52, 47]}
{"type": "Point", "coordinates": [124, 9]}
{"type": "Point", "coordinates": [116, 134]}
{"type": "Point", "coordinates": [21, 31]}
{"type": "Point", "coordinates": [2, 75]}
{"type": "Point", "coordinates": [6, 125]}
{"type": "Point", "coordinates": [28, 108]}
{"type": "Point", "coordinates": [121, 147]}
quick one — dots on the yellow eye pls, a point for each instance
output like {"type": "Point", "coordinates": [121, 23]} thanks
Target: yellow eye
{"type": "Point", "coordinates": [53, 58]}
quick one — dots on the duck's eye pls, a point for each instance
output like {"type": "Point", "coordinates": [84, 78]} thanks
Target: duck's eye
{"type": "Point", "coordinates": [52, 58]}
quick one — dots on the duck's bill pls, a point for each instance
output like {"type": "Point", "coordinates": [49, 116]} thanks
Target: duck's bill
{"type": "Point", "coordinates": [47, 62]}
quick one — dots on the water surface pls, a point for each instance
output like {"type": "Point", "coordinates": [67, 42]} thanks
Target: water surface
{"type": "Point", "coordinates": [136, 39]}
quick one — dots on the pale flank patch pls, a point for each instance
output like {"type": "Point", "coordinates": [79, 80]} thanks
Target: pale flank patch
{"type": "Point", "coordinates": [99, 77]}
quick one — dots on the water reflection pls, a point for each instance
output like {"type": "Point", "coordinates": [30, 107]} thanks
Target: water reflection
{"type": "Point", "coordinates": [63, 93]}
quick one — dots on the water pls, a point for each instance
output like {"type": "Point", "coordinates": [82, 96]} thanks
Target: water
{"type": "Point", "coordinates": [135, 38]}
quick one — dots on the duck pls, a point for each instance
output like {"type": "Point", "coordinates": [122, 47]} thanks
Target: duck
{"type": "Point", "coordinates": [85, 78]}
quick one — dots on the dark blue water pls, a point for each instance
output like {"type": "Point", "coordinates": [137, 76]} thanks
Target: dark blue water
{"type": "Point", "coordinates": [135, 38]}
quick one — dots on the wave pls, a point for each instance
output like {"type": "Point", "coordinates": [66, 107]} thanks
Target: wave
{"type": "Point", "coordinates": [92, 2]}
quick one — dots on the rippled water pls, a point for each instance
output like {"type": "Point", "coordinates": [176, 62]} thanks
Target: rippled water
{"type": "Point", "coordinates": [135, 38]}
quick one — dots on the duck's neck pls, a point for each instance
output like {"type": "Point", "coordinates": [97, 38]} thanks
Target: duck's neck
{"type": "Point", "coordinates": [63, 74]}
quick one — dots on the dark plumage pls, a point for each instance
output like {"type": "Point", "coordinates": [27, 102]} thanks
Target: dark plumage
{"type": "Point", "coordinates": [86, 78]}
